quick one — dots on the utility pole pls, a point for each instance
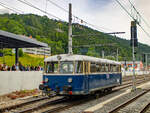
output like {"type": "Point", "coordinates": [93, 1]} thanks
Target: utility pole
{"type": "Point", "coordinates": [125, 66]}
{"type": "Point", "coordinates": [133, 44]}
{"type": "Point", "coordinates": [70, 30]}
{"type": "Point", "coordinates": [103, 56]}
{"type": "Point", "coordinates": [117, 54]}
{"type": "Point", "coordinates": [146, 63]}
{"type": "Point", "coordinates": [133, 55]}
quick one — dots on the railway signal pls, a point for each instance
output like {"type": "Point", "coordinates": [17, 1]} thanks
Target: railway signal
{"type": "Point", "coordinates": [134, 40]}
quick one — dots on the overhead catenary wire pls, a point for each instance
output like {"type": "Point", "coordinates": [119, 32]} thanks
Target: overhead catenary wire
{"type": "Point", "coordinates": [46, 6]}
{"type": "Point", "coordinates": [31, 5]}
{"type": "Point", "coordinates": [11, 8]}
{"type": "Point", "coordinates": [83, 21]}
{"type": "Point", "coordinates": [133, 18]}
{"type": "Point", "coordinates": [141, 18]}
{"type": "Point", "coordinates": [139, 14]}
{"type": "Point", "coordinates": [125, 9]}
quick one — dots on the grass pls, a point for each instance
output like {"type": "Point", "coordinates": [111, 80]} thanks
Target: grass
{"type": "Point", "coordinates": [26, 60]}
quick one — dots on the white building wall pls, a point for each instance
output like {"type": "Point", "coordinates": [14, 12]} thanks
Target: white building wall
{"type": "Point", "coordinates": [19, 80]}
{"type": "Point", "coordinates": [38, 51]}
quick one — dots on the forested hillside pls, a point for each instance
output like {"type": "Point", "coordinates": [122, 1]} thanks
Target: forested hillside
{"type": "Point", "coordinates": [55, 34]}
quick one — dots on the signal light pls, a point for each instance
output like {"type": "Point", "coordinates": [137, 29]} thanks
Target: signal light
{"type": "Point", "coordinates": [134, 40]}
{"type": "Point", "coordinates": [70, 92]}
{"type": "Point", "coordinates": [43, 82]}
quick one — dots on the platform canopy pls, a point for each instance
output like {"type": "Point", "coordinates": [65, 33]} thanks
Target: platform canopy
{"type": "Point", "coordinates": [10, 40]}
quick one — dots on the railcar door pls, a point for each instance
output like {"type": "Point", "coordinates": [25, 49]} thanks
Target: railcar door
{"type": "Point", "coordinates": [86, 77]}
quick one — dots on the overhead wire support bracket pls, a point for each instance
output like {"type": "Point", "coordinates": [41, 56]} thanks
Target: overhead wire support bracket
{"type": "Point", "coordinates": [98, 34]}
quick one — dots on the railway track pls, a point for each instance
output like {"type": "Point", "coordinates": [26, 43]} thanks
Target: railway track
{"type": "Point", "coordinates": [24, 105]}
{"type": "Point", "coordinates": [21, 104]}
{"type": "Point", "coordinates": [146, 109]}
{"type": "Point", "coordinates": [67, 106]}
{"type": "Point", "coordinates": [44, 104]}
{"type": "Point", "coordinates": [61, 108]}
{"type": "Point", "coordinates": [116, 109]}
{"type": "Point", "coordinates": [56, 104]}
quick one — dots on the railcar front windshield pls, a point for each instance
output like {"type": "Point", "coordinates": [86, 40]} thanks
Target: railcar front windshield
{"type": "Point", "coordinates": [51, 67]}
{"type": "Point", "coordinates": [62, 67]}
{"type": "Point", "coordinates": [66, 67]}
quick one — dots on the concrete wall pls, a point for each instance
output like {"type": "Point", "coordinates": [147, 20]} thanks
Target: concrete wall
{"type": "Point", "coordinates": [128, 73]}
{"type": "Point", "coordinates": [19, 80]}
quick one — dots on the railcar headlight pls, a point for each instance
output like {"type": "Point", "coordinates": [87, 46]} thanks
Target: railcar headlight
{"type": "Point", "coordinates": [69, 80]}
{"type": "Point", "coordinates": [46, 79]}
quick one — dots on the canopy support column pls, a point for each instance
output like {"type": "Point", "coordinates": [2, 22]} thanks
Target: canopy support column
{"type": "Point", "coordinates": [16, 55]}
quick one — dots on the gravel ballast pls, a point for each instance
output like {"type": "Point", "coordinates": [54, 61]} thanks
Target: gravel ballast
{"type": "Point", "coordinates": [137, 105]}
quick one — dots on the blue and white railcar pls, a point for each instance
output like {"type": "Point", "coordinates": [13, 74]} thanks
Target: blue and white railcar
{"type": "Point", "coordinates": [79, 74]}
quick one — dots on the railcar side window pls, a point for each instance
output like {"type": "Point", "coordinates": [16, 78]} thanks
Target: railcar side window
{"type": "Point", "coordinates": [114, 68]}
{"type": "Point", "coordinates": [98, 68]}
{"type": "Point", "coordinates": [102, 67]}
{"type": "Point", "coordinates": [107, 68]}
{"type": "Point", "coordinates": [93, 68]}
{"type": "Point", "coordinates": [79, 67]}
{"type": "Point", "coordinates": [52, 67]}
{"type": "Point", "coordinates": [66, 67]}
{"type": "Point", "coordinates": [118, 68]}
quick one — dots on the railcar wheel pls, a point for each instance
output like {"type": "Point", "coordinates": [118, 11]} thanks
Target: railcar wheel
{"type": "Point", "coordinates": [109, 89]}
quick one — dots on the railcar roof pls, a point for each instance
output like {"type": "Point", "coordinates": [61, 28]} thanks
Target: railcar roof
{"type": "Point", "coordinates": [67, 57]}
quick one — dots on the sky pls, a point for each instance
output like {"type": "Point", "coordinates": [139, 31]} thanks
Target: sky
{"type": "Point", "coordinates": [106, 15]}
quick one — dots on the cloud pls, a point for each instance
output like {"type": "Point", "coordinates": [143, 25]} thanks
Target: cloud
{"type": "Point", "coordinates": [106, 14]}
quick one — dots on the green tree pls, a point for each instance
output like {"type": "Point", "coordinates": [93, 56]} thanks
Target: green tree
{"type": "Point", "coordinates": [20, 53]}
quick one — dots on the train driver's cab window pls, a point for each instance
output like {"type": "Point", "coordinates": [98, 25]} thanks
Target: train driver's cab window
{"type": "Point", "coordinates": [52, 67]}
{"type": "Point", "coordinates": [66, 67]}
